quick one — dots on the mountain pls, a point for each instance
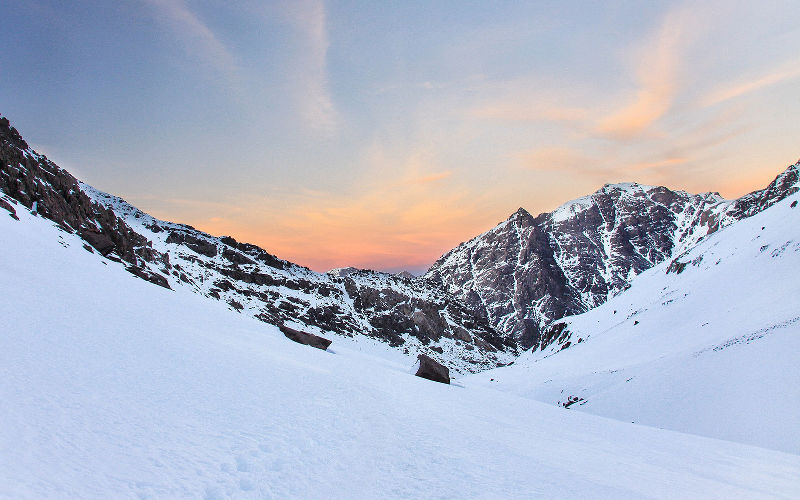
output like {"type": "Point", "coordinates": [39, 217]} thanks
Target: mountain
{"type": "Point", "coordinates": [411, 315]}
{"type": "Point", "coordinates": [705, 343]}
{"type": "Point", "coordinates": [115, 388]}
{"type": "Point", "coordinates": [530, 271]}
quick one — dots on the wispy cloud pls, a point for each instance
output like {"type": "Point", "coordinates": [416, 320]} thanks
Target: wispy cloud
{"type": "Point", "coordinates": [657, 71]}
{"type": "Point", "coordinates": [521, 111]}
{"type": "Point", "coordinates": [310, 72]}
{"type": "Point", "coordinates": [195, 34]}
{"type": "Point", "coordinates": [425, 179]}
{"type": "Point", "coordinates": [730, 91]}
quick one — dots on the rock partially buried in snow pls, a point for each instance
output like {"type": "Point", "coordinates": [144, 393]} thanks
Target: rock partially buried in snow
{"type": "Point", "coordinates": [305, 338]}
{"type": "Point", "coordinates": [431, 369]}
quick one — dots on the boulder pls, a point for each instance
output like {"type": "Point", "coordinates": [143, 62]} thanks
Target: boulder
{"type": "Point", "coordinates": [13, 213]}
{"type": "Point", "coordinates": [431, 369]}
{"type": "Point", "coordinates": [305, 338]}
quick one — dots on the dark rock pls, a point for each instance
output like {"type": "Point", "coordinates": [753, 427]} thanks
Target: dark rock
{"type": "Point", "coordinates": [236, 257]}
{"type": "Point", "coordinates": [572, 400]}
{"type": "Point", "coordinates": [7, 206]}
{"type": "Point", "coordinates": [431, 369]}
{"type": "Point", "coordinates": [199, 245]}
{"type": "Point", "coordinates": [102, 242]}
{"type": "Point", "coordinates": [305, 338]}
{"type": "Point", "coordinates": [676, 267]}
{"type": "Point", "coordinates": [149, 276]}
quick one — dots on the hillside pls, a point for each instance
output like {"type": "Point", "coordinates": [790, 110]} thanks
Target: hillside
{"type": "Point", "coordinates": [410, 315]}
{"type": "Point", "coordinates": [704, 343]}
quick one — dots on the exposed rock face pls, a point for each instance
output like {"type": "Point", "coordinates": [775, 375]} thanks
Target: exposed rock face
{"type": "Point", "coordinates": [530, 271]}
{"type": "Point", "coordinates": [412, 315]}
{"type": "Point", "coordinates": [305, 338]}
{"type": "Point", "coordinates": [47, 190]}
{"type": "Point", "coordinates": [431, 369]}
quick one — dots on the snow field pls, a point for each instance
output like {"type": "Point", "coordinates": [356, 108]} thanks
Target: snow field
{"type": "Point", "coordinates": [114, 387]}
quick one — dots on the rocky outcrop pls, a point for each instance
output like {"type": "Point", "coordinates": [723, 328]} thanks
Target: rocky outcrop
{"type": "Point", "coordinates": [528, 271]}
{"type": "Point", "coordinates": [51, 192]}
{"type": "Point", "coordinates": [431, 369]}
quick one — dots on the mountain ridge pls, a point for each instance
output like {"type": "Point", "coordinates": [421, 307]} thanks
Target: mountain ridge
{"type": "Point", "coordinates": [406, 314]}
{"type": "Point", "coordinates": [473, 309]}
{"type": "Point", "coordinates": [528, 271]}
{"type": "Point", "coordinates": [705, 342]}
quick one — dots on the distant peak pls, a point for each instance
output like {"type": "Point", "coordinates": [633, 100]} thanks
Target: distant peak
{"type": "Point", "coordinates": [521, 212]}
{"type": "Point", "coordinates": [341, 272]}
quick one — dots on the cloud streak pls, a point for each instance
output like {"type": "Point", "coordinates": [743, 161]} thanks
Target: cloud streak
{"type": "Point", "coordinates": [310, 72]}
{"type": "Point", "coordinates": [195, 34]}
{"type": "Point", "coordinates": [658, 65]}
{"type": "Point", "coordinates": [731, 91]}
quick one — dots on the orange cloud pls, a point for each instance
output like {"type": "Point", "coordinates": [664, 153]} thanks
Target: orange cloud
{"type": "Point", "coordinates": [402, 214]}
{"type": "Point", "coordinates": [657, 65]}
{"type": "Point", "coordinates": [666, 162]}
{"type": "Point", "coordinates": [432, 177]}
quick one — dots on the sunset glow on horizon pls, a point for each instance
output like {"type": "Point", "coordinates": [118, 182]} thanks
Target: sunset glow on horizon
{"type": "Point", "coordinates": [381, 135]}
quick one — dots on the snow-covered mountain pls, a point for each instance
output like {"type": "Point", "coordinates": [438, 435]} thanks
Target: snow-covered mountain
{"type": "Point", "coordinates": [529, 271]}
{"type": "Point", "coordinates": [115, 388]}
{"type": "Point", "coordinates": [411, 315]}
{"type": "Point", "coordinates": [706, 342]}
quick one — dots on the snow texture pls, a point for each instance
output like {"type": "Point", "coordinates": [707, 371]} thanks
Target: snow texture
{"type": "Point", "coordinates": [115, 388]}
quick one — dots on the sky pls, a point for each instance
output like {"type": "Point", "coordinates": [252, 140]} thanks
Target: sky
{"type": "Point", "coordinates": [382, 134]}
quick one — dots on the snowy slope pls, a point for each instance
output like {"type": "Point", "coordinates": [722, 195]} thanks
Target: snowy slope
{"type": "Point", "coordinates": [112, 387]}
{"type": "Point", "coordinates": [707, 343]}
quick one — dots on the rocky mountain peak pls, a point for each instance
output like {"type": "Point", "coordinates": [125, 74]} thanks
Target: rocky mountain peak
{"type": "Point", "coordinates": [520, 212]}
{"type": "Point", "coordinates": [524, 276]}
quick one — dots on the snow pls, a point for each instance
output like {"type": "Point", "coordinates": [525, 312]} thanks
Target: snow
{"type": "Point", "coordinates": [113, 387]}
{"type": "Point", "coordinates": [571, 208]}
{"type": "Point", "coordinates": [712, 350]}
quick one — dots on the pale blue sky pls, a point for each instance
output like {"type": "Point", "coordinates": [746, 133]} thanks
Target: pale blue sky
{"type": "Point", "coordinates": [380, 134]}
